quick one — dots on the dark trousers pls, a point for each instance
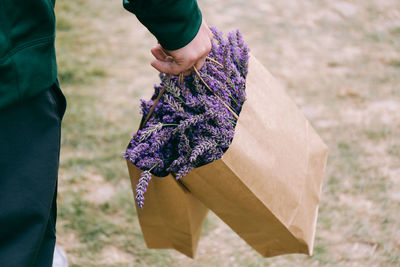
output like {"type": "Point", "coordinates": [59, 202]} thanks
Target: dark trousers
{"type": "Point", "coordinates": [30, 134]}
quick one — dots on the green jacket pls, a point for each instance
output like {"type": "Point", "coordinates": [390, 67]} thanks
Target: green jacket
{"type": "Point", "coordinates": [27, 32]}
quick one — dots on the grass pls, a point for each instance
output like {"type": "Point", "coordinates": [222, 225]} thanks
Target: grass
{"type": "Point", "coordinates": [341, 69]}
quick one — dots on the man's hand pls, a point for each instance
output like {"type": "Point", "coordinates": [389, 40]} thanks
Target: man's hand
{"type": "Point", "coordinates": [182, 60]}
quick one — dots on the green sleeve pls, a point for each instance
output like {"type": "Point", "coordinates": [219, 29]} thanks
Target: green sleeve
{"type": "Point", "coordinates": [173, 22]}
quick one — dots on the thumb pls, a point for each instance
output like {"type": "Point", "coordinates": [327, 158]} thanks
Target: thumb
{"type": "Point", "coordinates": [159, 53]}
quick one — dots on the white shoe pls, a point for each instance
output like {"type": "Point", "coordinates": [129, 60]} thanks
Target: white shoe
{"type": "Point", "coordinates": [60, 257]}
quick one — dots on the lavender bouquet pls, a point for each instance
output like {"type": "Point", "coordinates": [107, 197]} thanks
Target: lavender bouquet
{"type": "Point", "coordinates": [192, 120]}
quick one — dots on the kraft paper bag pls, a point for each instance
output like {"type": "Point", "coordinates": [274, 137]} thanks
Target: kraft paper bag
{"type": "Point", "coordinates": [171, 217]}
{"type": "Point", "coordinates": [267, 185]}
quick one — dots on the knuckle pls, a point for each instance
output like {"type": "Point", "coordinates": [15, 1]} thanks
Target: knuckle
{"type": "Point", "coordinates": [175, 71]}
{"type": "Point", "coordinates": [192, 58]}
{"type": "Point", "coordinates": [205, 50]}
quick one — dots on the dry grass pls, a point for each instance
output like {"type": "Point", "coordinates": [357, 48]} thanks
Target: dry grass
{"type": "Point", "coordinates": [339, 60]}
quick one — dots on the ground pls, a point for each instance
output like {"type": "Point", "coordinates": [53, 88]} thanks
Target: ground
{"type": "Point", "coordinates": [339, 61]}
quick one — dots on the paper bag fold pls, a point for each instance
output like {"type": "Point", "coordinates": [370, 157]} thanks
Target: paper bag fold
{"type": "Point", "coordinates": [171, 217]}
{"type": "Point", "coordinates": [267, 185]}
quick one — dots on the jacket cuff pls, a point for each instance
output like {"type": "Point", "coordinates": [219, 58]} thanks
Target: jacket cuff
{"type": "Point", "coordinates": [174, 23]}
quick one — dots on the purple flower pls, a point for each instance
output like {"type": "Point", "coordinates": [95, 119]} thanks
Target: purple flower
{"type": "Point", "coordinates": [141, 187]}
{"type": "Point", "coordinates": [171, 104]}
{"type": "Point", "coordinates": [183, 171]}
{"type": "Point", "coordinates": [189, 122]}
{"type": "Point", "coordinates": [203, 144]}
{"type": "Point", "coordinates": [192, 124]}
{"type": "Point", "coordinates": [150, 130]}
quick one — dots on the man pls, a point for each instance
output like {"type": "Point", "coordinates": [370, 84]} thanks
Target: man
{"type": "Point", "coordinates": [32, 106]}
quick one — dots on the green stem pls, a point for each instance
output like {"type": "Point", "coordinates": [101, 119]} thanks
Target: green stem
{"type": "Point", "coordinates": [153, 167]}
{"type": "Point", "coordinates": [234, 100]}
{"type": "Point", "coordinates": [231, 121]}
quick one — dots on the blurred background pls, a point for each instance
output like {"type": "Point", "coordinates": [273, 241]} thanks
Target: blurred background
{"type": "Point", "coordinates": [340, 62]}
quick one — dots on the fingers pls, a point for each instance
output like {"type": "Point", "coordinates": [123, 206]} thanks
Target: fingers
{"type": "Point", "coordinates": [199, 64]}
{"type": "Point", "coordinates": [170, 66]}
{"type": "Point", "coordinates": [184, 59]}
{"type": "Point", "coordinates": [159, 53]}
{"type": "Point", "coordinates": [176, 65]}
{"type": "Point", "coordinates": [166, 67]}
{"type": "Point", "coordinates": [187, 72]}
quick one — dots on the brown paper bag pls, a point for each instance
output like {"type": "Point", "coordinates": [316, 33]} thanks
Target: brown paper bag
{"type": "Point", "coordinates": [171, 217]}
{"type": "Point", "coordinates": [267, 185]}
